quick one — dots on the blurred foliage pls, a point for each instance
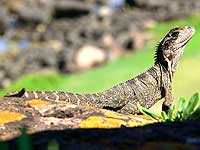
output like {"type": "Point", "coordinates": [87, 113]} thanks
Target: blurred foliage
{"type": "Point", "coordinates": [24, 141]}
{"type": "Point", "coordinates": [125, 68]}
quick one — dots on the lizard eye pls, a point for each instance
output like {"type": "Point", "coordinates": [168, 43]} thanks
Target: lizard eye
{"type": "Point", "coordinates": [175, 34]}
{"type": "Point", "coordinates": [166, 45]}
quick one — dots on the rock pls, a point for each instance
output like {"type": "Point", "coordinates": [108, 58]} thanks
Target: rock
{"type": "Point", "coordinates": [114, 48]}
{"type": "Point", "coordinates": [39, 11]}
{"type": "Point", "coordinates": [71, 9]}
{"type": "Point", "coordinates": [89, 56]}
{"type": "Point", "coordinates": [168, 10]}
{"type": "Point", "coordinates": [4, 19]}
{"type": "Point", "coordinates": [29, 60]}
{"type": "Point", "coordinates": [87, 128]}
{"type": "Point", "coordinates": [132, 41]}
{"type": "Point", "coordinates": [41, 115]}
{"type": "Point", "coordinates": [137, 41]}
{"type": "Point", "coordinates": [149, 24]}
{"type": "Point", "coordinates": [127, 42]}
{"type": "Point", "coordinates": [5, 82]}
{"type": "Point", "coordinates": [150, 3]}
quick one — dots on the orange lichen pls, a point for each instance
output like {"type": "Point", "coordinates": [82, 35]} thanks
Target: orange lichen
{"type": "Point", "coordinates": [101, 122]}
{"type": "Point", "coordinates": [36, 102]}
{"type": "Point", "coordinates": [114, 120]}
{"type": "Point", "coordinates": [7, 116]}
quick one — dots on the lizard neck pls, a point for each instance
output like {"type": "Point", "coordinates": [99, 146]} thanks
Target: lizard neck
{"type": "Point", "coordinates": [171, 65]}
{"type": "Point", "coordinates": [163, 73]}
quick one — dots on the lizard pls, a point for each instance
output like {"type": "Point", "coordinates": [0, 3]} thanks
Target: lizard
{"type": "Point", "coordinates": [145, 89]}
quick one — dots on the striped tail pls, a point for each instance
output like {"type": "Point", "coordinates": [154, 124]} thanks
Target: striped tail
{"type": "Point", "coordinates": [74, 98]}
{"type": "Point", "coordinates": [113, 99]}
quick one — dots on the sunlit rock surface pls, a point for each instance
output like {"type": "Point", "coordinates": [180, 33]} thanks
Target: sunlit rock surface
{"type": "Point", "coordinates": [40, 115]}
{"type": "Point", "coordinates": [82, 127]}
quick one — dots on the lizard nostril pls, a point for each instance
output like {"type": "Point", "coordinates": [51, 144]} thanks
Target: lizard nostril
{"type": "Point", "coordinates": [190, 27]}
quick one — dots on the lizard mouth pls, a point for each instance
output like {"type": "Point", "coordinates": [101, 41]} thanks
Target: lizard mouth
{"type": "Point", "coordinates": [185, 42]}
{"type": "Point", "coordinates": [187, 38]}
{"type": "Point", "coordinates": [181, 46]}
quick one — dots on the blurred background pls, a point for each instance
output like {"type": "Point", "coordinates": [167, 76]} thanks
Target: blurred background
{"type": "Point", "coordinates": [87, 46]}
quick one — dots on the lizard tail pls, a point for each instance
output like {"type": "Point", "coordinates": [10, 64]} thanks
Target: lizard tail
{"type": "Point", "coordinates": [74, 98]}
{"type": "Point", "coordinates": [100, 100]}
{"type": "Point", "coordinates": [16, 94]}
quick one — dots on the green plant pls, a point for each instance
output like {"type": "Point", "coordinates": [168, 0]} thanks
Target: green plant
{"type": "Point", "coordinates": [190, 111]}
{"type": "Point", "coordinates": [24, 141]}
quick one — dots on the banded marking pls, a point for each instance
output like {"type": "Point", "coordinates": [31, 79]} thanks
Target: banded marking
{"type": "Point", "coordinates": [47, 98]}
{"type": "Point", "coordinates": [68, 97]}
{"type": "Point", "coordinates": [26, 94]}
{"type": "Point", "coordinates": [88, 103]}
{"type": "Point", "coordinates": [85, 97]}
{"type": "Point", "coordinates": [35, 95]}
{"type": "Point", "coordinates": [77, 98]}
{"type": "Point", "coordinates": [43, 92]}
{"type": "Point", "coordinates": [93, 97]}
{"type": "Point", "coordinates": [57, 96]}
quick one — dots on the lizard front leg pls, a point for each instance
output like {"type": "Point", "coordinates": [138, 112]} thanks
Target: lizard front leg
{"type": "Point", "coordinates": [168, 98]}
{"type": "Point", "coordinates": [129, 108]}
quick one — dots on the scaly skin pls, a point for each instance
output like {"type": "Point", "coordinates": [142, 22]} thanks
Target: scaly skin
{"type": "Point", "coordinates": [146, 88]}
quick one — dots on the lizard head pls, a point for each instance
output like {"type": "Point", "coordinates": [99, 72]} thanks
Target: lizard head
{"type": "Point", "coordinates": [172, 45]}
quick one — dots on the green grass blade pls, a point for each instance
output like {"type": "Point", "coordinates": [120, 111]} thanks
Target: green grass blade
{"type": "Point", "coordinates": [24, 141]}
{"type": "Point", "coordinates": [148, 113]}
{"type": "Point", "coordinates": [171, 113]}
{"type": "Point", "coordinates": [53, 145]}
{"type": "Point", "coordinates": [181, 105]}
{"type": "Point", "coordinates": [191, 105]}
{"type": "Point", "coordinates": [4, 145]}
{"type": "Point", "coordinates": [164, 116]}
{"type": "Point", "coordinates": [195, 115]}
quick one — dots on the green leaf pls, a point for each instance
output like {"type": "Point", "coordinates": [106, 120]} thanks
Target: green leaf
{"type": "Point", "coordinates": [148, 113]}
{"type": "Point", "coordinates": [53, 145]}
{"type": "Point", "coordinates": [164, 116]}
{"type": "Point", "coordinates": [195, 115]}
{"type": "Point", "coordinates": [171, 113]}
{"type": "Point", "coordinates": [191, 105]}
{"type": "Point", "coordinates": [181, 104]}
{"type": "Point", "coordinates": [24, 141]}
{"type": "Point", "coordinates": [179, 113]}
{"type": "Point", "coordinates": [4, 145]}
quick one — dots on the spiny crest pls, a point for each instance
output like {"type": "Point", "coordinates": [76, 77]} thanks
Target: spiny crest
{"type": "Point", "coordinates": [158, 57]}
